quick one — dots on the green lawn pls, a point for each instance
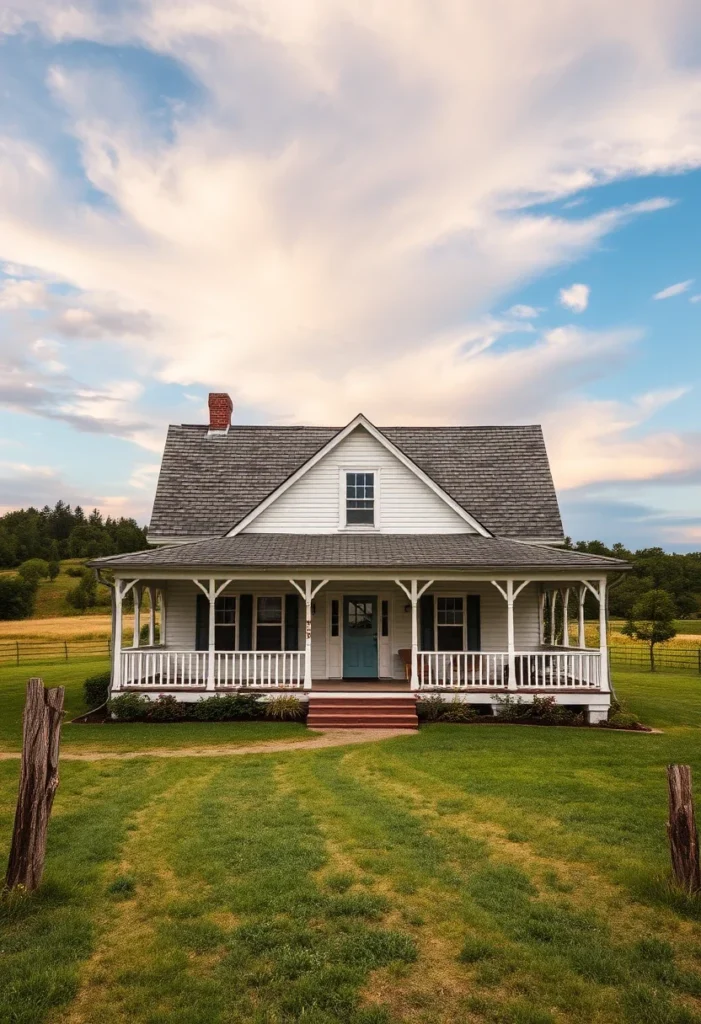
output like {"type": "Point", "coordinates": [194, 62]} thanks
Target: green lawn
{"type": "Point", "coordinates": [125, 736]}
{"type": "Point", "coordinates": [500, 874]}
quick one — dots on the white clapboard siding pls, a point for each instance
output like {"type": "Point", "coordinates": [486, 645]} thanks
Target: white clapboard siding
{"type": "Point", "coordinates": [406, 503]}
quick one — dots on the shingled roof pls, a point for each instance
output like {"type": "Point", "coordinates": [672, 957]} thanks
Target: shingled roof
{"type": "Point", "coordinates": [500, 475]}
{"type": "Point", "coordinates": [360, 551]}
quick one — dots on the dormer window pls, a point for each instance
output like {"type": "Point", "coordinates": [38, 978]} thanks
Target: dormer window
{"type": "Point", "coordinates": [360, 499]}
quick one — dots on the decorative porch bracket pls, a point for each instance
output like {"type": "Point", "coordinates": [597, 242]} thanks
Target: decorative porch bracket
{"type": "Point", "coordinates": [308, 594]}
{"type": "Point", "coordinates": [121, 589]}
{"type": "Point", "coordinates": [414, 594]}
{"type": "Point", "coordinates": [510, 596]}
{"type": "Point", "coordinates": [211, 592]}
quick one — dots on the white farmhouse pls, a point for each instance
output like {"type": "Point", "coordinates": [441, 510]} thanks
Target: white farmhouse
{"type": "Point", "coordinates": [360, 567]}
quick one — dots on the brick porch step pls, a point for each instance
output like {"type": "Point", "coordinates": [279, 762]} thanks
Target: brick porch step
{"type": "Point", "coordinates": [362, 713]}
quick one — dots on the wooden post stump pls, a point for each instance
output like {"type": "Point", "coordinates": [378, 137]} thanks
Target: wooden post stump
{"type": "Point", "coordinates": [38, 782]}
{"type": "Point", "coordinates": [681, 829]}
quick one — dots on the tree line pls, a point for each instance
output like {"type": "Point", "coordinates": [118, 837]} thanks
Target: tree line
{"type": "Point", "coordinates": [62, 532]}
{"type": "Point", "coordinates": [653, 569]}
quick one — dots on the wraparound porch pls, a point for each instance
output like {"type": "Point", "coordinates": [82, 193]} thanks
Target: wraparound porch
{"type": "Point", "coordinates": [427, 635]}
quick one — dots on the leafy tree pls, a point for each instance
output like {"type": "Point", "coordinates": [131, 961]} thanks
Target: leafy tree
{"type": "Point", "coordinates": [84, 594]}
{"type": "Point", "coordinates": [34, 569]}
{"type": "Point", "coordinates": [652, 620]}
{"type": "Point", "coordinates": [16, 597]}
{"type": "Point", "coordinates": [62, 532]}
{"type": "Point", "coordinates": [54, 569]}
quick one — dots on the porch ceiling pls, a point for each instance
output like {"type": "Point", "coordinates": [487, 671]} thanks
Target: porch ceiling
{"type": "Point", "coordinates": [398, 552]}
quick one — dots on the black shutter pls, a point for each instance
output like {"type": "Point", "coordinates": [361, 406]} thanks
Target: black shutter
{"type": "Point", "coordinates": [202, 623]}
{"type": "Point", "coordinates": [474, 628]}
{"type": "Point", "coordinates": [426, 638]}
{"type": "Point", "coordinates": [291, 622]}
{"type": "Point", "coordinates": [246, 622]}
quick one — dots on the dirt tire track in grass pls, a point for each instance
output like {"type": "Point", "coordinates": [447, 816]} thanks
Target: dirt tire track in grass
{"type": "Point", "coordinates": [437, 981]}
{"type": "Point", "coordinates": [330, 738]}
{"type": "Point", "coordinates": [127, 925]}
{"type": "Point", "coordinates": [577, 882]}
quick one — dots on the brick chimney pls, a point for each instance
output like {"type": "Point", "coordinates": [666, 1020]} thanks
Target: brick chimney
{"type": "Point", "coordinates": [220, 410]}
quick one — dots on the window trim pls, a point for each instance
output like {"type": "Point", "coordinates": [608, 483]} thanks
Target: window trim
{"type": "Point", "coordinates": [436, 627]}
{"type": "Point", "coordinates": [343, 524]}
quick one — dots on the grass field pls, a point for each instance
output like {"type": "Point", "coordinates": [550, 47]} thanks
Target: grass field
{"type": "Point", "coordinates": [493, 874]}
{"type": "Point", "coordinates": [126, 736]}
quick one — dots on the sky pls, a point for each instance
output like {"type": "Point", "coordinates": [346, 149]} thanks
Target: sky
{"type": "Point", "coordinates": [429, 211]}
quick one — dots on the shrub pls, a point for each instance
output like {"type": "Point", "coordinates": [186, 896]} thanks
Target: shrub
{"type": "Point", "coordinates": [458, 711]}
{"type": "Point", "coordinates": [34, 570]}
{"type": "Point", "coordinates": [541, 710]}
{"type": "Point", "coordinates": [129, 707]}
{"type": "Point", "coordinates": [228, 707]}
{"type": "Point", "coordinates": [96, 689]}
{"type": "Point", "coordinates": [17, 597]}
{"type": "Point", "coordinates": [622, 720]}
{"type": "Point", "coordinates": [84, 594]}
{"type": "Point", "coordinates": [430, 709]}
{"type": "Point", "coordinates": [167, 709]}
{"type": "Point", "coordinates": [287, 708]}
{"type": "Point", "coordinates": [54, 569]}
{"type": "Point", "coordinates": [76, 571]}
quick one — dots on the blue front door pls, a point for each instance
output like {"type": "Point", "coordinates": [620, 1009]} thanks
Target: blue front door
{"type": "Point", "coordinates": [360, 637]}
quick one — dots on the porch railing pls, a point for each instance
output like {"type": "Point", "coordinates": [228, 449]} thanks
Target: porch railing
{"type": "Point", "coordinates": [259, 668]}
{"type": "Point", "coordinates": [160, 668]}
{"type": "Point", "coordinates": [541, 670]}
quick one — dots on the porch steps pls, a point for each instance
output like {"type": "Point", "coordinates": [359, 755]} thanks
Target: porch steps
{"type": "Point", "coordinates": [362, 713]}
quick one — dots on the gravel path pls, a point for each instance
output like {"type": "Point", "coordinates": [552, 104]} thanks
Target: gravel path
{"type": "Point", "coordinates": [330, 738]}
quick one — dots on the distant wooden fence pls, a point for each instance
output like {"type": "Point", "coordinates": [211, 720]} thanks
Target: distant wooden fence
{"type": "Point", "coordinates": [684, 659]}
{"type": "Point", "coordinates": [18, 652]}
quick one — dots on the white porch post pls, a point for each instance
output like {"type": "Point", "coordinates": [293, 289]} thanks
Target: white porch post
{"type": "Point", "coordinates": [565, 595]}
{"type": "Point", "coordinates": [212, 595]}
{"type": "Point", "coordinates": [603, 646]}
{"type": "Point", "coordinates": [308, 594]}
{"type": "Point", "coordinates": [117, 643]}
{"type": "Point", "coordinates": [413, 597]}
{"type": "Point", "coordinates": [510, 633]}
{"type": "Point", "coordinates": [137, 615]}
{"type": "Point", "coordinates": [413, 593]}
{"type": "Point", "coordinates": [581, 635]}
{"type": "Point", "coordinates": [151, 616]}
{"type": "Point", "coordinates": [541, 616]}
{"type": "Point", "coordinates": [308, 634]}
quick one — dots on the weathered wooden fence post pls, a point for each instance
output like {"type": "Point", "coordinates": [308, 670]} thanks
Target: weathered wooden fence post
{"type": "Point", "coordinates": [38, 782]}
{"type": "Point", "coordinates": [681, 829]}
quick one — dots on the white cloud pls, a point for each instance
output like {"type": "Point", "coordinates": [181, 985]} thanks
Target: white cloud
{"type": "Point", "coordinates": [576, 297]}
{"type": "Point", "coordinates": [337, 211]}
{"type": "Point", "coordinates": [17, 294]}
{"type": "Point", "coordinates": [522, 312]}
{"type": "Point", "coordinates": [674, 289]}
{"type": "Point", "coordinates": [695, 298]}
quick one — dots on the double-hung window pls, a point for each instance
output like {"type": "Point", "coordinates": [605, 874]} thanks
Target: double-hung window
{"type": "Point", "coordinates": [360, 499]}
{"type": "Point", "coordinates": [269, 624]}
{"type": "Point", "coordinates": [450, 619]}
{"type": "Point", "coordinates": [225, 623]}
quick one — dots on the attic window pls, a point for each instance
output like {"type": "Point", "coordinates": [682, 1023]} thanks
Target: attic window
{"type": "Point", "coordinates": [360, 499]}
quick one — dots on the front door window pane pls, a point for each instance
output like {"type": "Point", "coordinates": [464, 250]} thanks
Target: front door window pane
{"type": "Point", "coordinates": [360, 614]}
